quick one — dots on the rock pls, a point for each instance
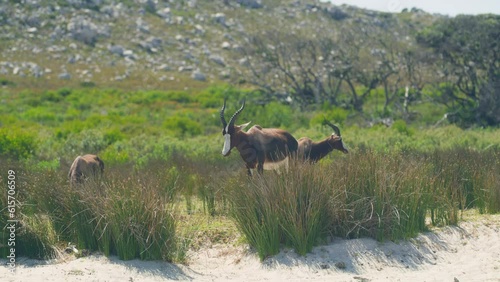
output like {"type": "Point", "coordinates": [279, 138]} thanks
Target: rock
{"type": "Point", "coordinates": [217, 59]}
{"type": "Point", "coordinates": [163, 67]}
{"type": "Point", "coordinates": [185, 68]}
{"type": "Point", "coordinates": [152, 44]}
{"type": "Point", "coordinates": [36, 71]}
{"type": "Point", "coordinates": [72, 59]}
{"type": "Point", "coordinates": [65, 76]}
{"type": "Point", "coordinates": [243, 62]}
{"type": "Point", "coordinates": [164, 13]}
{"type": "Point", "coordinates": [128, 53]}
{"type": "Point", "coordinates": [225, 74]}
{"type": "Point", "coordinates": [225, 45]}
{"type": "Point", "coordinates": [337, 13]}
{"type": "Point", "coordinates": [116, 49]}
{"type": "Point", "coordinates": [150, 6]}
{"type": "Point", "coordinates": [199, 30]}
{"type": "Point", "coordinates": [57, 33]}
{"type": "Point", "coordinates": [252, 4]}
{"type": "Point", "coordinates": [219, 18]}
{"type": "Point", "coordinates": [87, 4]}
{"type": "Point", "coordinates": [83, 30]}
{"type": "Point", "coordinates": [142, 26]}
{"type": "Point", "coordinates": [197, 75]}
{"type": "Point", "coordinates": [112, 11]}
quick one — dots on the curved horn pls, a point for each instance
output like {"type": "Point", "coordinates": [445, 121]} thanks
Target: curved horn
{"type": "Point", "coordinates": [233, 118]}
{"type": "Point", "coordinates": [222, 119]}
{"type": "Point", "coordinates": [333, 126]}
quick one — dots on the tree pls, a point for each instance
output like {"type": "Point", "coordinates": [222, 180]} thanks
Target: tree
{"type": "Point", "coordinates": [278, 62]}
{"type": "Point", "coordinates": [310, 70]}
{"type": "Point", "coordinates": [470, 55]}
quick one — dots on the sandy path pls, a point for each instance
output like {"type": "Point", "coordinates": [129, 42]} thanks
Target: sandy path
{"type": "Point", "coordinates": [470, 252]}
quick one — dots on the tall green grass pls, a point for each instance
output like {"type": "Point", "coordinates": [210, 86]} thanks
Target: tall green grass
{"type": "Point", "coordinates": [134, 211]}
{"type": "Point", "coordinates": [129, 213]}
{"type": "Point", "coordinates": [384, 196]}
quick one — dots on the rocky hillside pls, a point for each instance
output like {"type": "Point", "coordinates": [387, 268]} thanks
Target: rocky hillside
{"type": "Point", "coordinates": [161, 44]}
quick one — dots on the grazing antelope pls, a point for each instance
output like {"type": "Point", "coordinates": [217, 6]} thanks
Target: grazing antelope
{"type": "Point", "coordinates": [315, 151]}
{"type": "Point", "coordinates": [84, 167]}
{"type": "Point", "coordinates": [259, 147]}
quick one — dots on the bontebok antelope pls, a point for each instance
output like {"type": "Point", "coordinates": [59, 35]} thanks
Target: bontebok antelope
{"type": "Point", "coordinates": [83, 167]}
{"type": "Point", "coordinates": [315, 151]}
{"type": "Point", "coordinates": [259, 147]}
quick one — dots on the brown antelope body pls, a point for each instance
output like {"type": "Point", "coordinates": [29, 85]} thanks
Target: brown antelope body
{"type": "Point", "coordinates": [315, 151]}
{"type": "Point", "coordinates": [261, 148]}
{"type": "Point", "coordinates": [84, 167]}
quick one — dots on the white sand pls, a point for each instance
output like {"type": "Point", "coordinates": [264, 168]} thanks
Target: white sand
{"type": "Point", "coordinates": [470, 252]}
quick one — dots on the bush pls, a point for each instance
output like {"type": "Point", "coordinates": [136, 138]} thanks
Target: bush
{"type": "Point", "coordinates": [182, 126]}
{"type": "Point", "coordinates": [16, 144]}
{"type": "Point", "coordinates": [6, 82]}
{"type": "Point", "coordinates": [401, 127]}
{"type": "Point", "coordinates": [84, 142]}
{"type": "Point", "coordinates": [88, 84]}
{"type": "Point", "coordinates": [336, 115]}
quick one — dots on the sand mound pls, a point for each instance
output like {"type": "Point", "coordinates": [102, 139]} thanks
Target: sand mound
{"type": "Point", "coordinates": [469, 252]}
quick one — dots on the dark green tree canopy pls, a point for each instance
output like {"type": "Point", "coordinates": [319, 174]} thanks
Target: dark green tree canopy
{"type": "Point", "coordinates": [469, 52]}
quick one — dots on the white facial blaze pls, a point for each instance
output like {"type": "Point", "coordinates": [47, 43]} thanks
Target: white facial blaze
{"type": "Point", "coordinates": [227, 144]}
{"type": "Point", "coordinates": [343, 144]}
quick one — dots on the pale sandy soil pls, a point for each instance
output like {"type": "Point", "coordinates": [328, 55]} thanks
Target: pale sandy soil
{"type": "Point", "coordinates": [470, 252]}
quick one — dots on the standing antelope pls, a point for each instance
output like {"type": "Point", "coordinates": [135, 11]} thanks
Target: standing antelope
{"type": "Point", "coordinates": [83, 167]}
{"type": "Point", "coordinates": [257, 146]}
{"type": "Point", "coordinates": [315, 151]}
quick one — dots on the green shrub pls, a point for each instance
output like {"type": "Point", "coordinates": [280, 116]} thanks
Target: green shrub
{"type": "Point", "coordinates": [40, 115]}
{"type": "Point", "coordinates": [51, 96]}
{"type": "Point", "coordinates": [88, 84]}
{"type": "Point", "coordinates": [182, 126]}
{"type": "Point", "coordinates": [154, 97]}
{"type": "Point", "coordinates": [336, 115]}
{"type": "Point", "coordinates": [16, 144]}
{"type": "Point", "coordinates": [84, 142]}
{"type": "Point", "coordinates": [6, 82]}
{"type": "Point", "coordinates": [178, 96]}
{"type": "Point", "coordinates": [401, 127]}
{"type": "Point", "coordinates": [113, 136]}
{"type": "Point", "coordinates": [115, 154]}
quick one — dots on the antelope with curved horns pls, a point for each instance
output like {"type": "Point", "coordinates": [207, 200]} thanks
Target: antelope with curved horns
{"type": "Point", "coordinates": [85, 167]}
{"type": "Point", "coordinates": [257, 146]}
{"type": "Point", "coordinates": [315, 151]}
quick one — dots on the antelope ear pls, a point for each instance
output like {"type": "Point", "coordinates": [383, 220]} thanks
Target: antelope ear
{"type": "Point", "coordinates": [242, 126]}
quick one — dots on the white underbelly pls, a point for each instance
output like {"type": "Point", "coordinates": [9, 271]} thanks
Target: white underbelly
{"type": "Point", "coordinates": [276, 165]}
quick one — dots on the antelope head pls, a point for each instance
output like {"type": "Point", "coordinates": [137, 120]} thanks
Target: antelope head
{"type": "Point", "coordinates": [335, 140]}
{"type": "Point", "coordinates": [231, 132]}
